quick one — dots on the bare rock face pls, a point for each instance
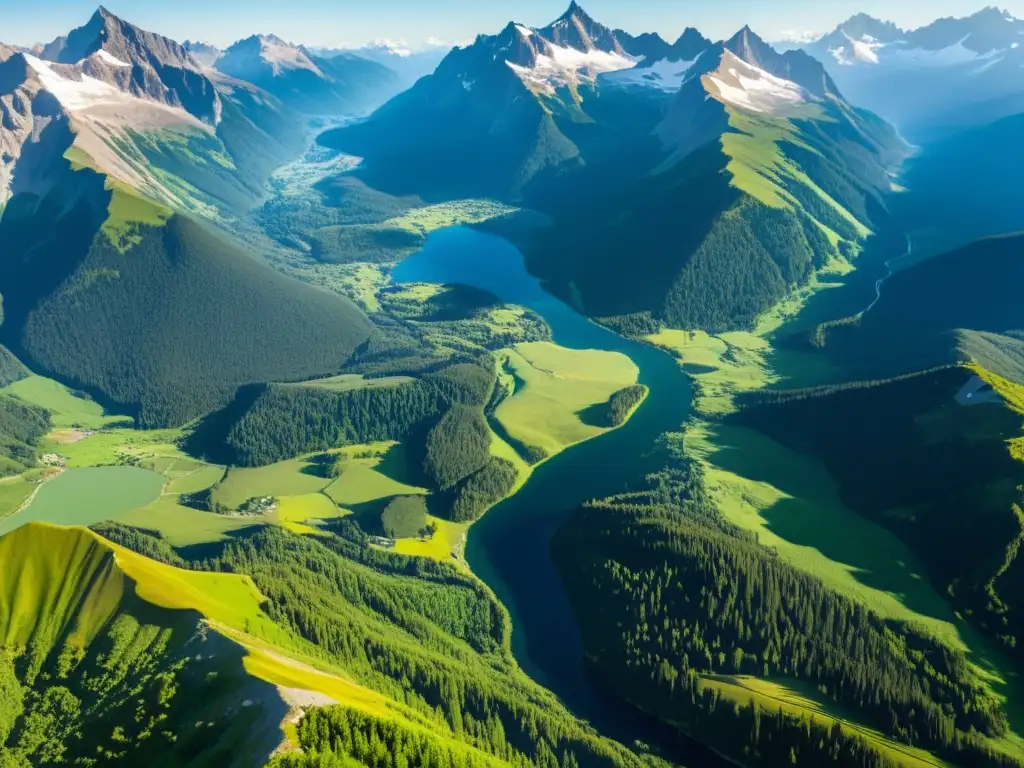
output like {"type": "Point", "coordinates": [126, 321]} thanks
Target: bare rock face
{"type": "Point", "coordinates": [141, 63]}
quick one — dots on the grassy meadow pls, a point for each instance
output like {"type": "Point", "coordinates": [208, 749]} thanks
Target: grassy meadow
{"type": "Point", "coordinates": [554, 393]}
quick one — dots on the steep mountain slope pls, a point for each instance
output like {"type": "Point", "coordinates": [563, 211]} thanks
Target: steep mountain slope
{"type": "Point", "coordinates": [495, 116]}
{"type": "Point", "coordinates": [766, 174]}
{"type": "Point", "coordinates": [105, 279]}
{"type": "Point", "coordinates": [339, 84]}
{"type": "Point", "coordinates": [155, 312]}
{"type": "Point", "coordinates": [148, 114]}
{"type": "Point", "coordinates": [953, 72]}
{"type": "Point", "coordinates": [110, 654]}
{"type": "Point", "coordinates": [959, 306]}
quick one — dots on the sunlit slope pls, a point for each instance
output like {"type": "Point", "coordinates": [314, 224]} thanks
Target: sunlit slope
{"type": "Point", "coordinates": [67, 593]}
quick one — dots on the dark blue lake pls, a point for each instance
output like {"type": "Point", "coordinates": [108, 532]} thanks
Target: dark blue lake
{"type": "Point", "coordinates": [509, 548]}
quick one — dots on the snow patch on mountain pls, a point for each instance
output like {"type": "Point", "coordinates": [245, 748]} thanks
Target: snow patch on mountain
{"type": "Point", "coordinates": [284, 56]}
{"type": "Point", "coordinates": [524, 31]}
{"type": "Point", "coordinates": [748, 87]}
{"type": "Point", "coordinates": [75, 95]}
{"type": "Point", "coordinates": [110, 59]}
{"type": "Point", "coordinates": [663, 75]}
{"type": "Point", "coordinates": [951, 56]}
{"type": "Point", "coordinates": [562, 66]}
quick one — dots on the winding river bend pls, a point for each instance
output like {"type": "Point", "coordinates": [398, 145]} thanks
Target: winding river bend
{"type": "Point", "coordinates": [509, 548]}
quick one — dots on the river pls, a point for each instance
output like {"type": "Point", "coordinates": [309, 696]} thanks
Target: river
{"type": "Point", "coordinates": [509, 548]}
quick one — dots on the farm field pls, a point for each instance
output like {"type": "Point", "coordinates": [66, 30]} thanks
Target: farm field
{"type": "Point", "coordinates": [555, 393]}
{"type": "Point", "coordinates": [374, 478]}
{"type": "Point", "coordinates": [295, 477]}
{"type": "Point", "coordinates": [184, 526]}
{"type": "Point", "coordinates": [448, 539]}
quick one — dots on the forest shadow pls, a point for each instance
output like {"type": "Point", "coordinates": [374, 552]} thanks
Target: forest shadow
{"type": "Point", "coordinates": [595, 415]}
{"type": "Point", "coordinates": [812, 515]}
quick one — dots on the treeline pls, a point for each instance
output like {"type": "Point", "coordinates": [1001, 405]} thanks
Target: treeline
{"type": "Point", "coordinates": [622, 403]}
{"type": "Point", "coordinates": [286, 421]}
{"type": "Point", "coordinates": [169, 330]}
{"type": "Point", "coordinates": [457, 446]}
{"type": "Point", "coordinates": [419, 631]}
{"type": "Point", "coordinates": [922, 451]}
{"type": "Point", "coordinates": [668, 595]}
{"type": "Point", "coordinates": [11, 369]}
{"type": "Point", "coordinates": [336, 737]}
{"type": "Point", "coordinates": [440, 418]}
{"type": "Point", "coordinates": [748, 262]}
{"type": "Point", "coordinates": [22, 426]}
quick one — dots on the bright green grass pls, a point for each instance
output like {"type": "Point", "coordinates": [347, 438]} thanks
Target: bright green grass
{"type": "Point", "coordinates": [554, 386]}
{"type": "Point", "coordinates": [791, 502]}
{"type": "Point", "coordinates": [300, 514]}
{"type": "Point", "coordinates": [295, 477]}
{"type": "Point", "coordinates": [114, 445]}
{"type": "Point", "coordinates": [67, 410]}
{"type": "Point", "coordinates": [14, 491]}
{"type": "Point", "coordinates": [433, 217]}
{"type": "Point", "coordinates": [365, 482]}
{"type": "Point", "coordinates": [758, 166]}
{"type": "Point", "coordinates": [199, 479]}
{"type": "Point", "coordinates": [87, 496]}
{"type": "Point", "coordinates": [184, 526]}
{"type": "Point", "coordinates": [126, 212]}
{"type": "Point", "coordinates": [446, 544]}
{"type": "Point", "coordinates": [351, 381]}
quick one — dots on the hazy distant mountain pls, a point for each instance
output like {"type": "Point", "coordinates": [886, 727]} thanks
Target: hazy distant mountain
{"type": "Point", "coordinates": [952, 72]}
{"type": "Point", "coordinates": [410, 65]}
{"type": "Point", "coordinates": [204, 53]}
{"type": "Point", "coordinates": [340, 84]}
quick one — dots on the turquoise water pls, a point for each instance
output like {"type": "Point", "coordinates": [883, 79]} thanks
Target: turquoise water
{"type": "Point", "coordinates": [88, 496]}
{"type": "Point", "coordinates": [509, 548]}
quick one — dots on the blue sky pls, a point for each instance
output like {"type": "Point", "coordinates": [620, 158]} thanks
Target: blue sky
{"type": "Point", "coordinates": [331, 22]}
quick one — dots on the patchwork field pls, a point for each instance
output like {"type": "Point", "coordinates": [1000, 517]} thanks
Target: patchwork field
{"type": "Point", "coordinates": [296, 477]}
{"type": "Point", "coordinates": [184, 526]}
{"type": "Point", "coordinates": [555, 393]}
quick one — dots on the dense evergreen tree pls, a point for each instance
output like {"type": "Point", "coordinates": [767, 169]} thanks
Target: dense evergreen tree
{"type": "Point", "coordinates": [668, 596]}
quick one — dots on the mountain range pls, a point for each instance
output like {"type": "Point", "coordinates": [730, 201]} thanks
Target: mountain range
{"type": "Point", "coordinates": [952, 73]}
{"type": "Point", "coordinates": [574, 118]}
{"type": "Point", "coordinates": [225, 350]}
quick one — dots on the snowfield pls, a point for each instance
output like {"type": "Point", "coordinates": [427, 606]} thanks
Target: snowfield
{"type": "Point", "coordinates": [663, 75]}
{"type": "Point", "coordinates": [567, 66]}
{"type": "Point", "coordinates": [113, 61]}
{"type": "Point", "coordinates": [748, 87]}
